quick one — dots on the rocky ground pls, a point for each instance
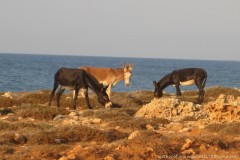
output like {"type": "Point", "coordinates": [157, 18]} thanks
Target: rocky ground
{"type": "Point", "coordinates": [137, 127]}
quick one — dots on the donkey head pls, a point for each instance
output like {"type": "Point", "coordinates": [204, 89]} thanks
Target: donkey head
{"type": "Point", "coordinates": [103, 97]}
{"type": "Point", "coordinates": [127, 72]}
{"type": "Point", "coordinates": [157, 91]}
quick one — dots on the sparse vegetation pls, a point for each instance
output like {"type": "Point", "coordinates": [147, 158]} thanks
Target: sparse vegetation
{"type": "Point", "coordinates": [28, 115]}
{"type": "Point", "coordinates": [225, 129]}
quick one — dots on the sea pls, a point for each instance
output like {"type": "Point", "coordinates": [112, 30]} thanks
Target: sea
{"type": "Point", "coordinates": [26, 72]}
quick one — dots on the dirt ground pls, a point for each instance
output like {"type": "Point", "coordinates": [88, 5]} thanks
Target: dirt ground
{"type": "Point", "coordinates": [29, 129]}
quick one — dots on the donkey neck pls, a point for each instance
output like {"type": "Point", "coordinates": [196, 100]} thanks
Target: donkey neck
{"type": "Point", "coordinates": [119, 74]}
{"type": "Point", "coordinates": [165, 81]}
{"type": "Point", "coordinates": [92, 83]}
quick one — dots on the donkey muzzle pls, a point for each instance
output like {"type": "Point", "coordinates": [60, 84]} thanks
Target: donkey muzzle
{"type": "Point", "coordinates": [108, 105]}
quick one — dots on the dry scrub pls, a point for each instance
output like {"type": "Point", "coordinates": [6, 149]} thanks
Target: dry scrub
{"type": "Point", "coordinates": [29, 129]}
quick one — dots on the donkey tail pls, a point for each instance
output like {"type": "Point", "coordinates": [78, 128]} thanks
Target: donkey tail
{"type": "Point", "coordinates": [205, 79]}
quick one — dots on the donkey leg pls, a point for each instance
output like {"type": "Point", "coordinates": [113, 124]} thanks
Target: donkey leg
{"type": "Point", "coordinates": [178, 91]}
{"type": "Point", "coordinates": [74, 92]}
{"type": "Point", "coordinates": [109, 90]}
{"type": "Point", "coordinates": [75, 97]}
{"type": "Point", "coordinates": [201, 90]}
{"type": "Point", "coordinates": [60, 92]}
{"type": "Point", "coordinates": [87, 98]}
{"type": "Point", "coordinates": [52, 94]}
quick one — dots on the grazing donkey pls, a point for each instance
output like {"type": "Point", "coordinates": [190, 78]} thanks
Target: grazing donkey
{"type": "Point", "coordinates": [111, 76]}
{"type": "Point", "coordinates": [187, 76]}
{"type": "Point", "coordinates": [78, 79]}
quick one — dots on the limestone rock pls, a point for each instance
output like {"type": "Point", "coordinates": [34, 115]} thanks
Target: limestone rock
{"type": "Point", "coordinates": [226, 108]}
{"type": "Point", "coordinates": [96, 120]}
{"type": "Point", "coordinates": [169, 108]}
{"type": "Point", "coordinates": [134, 134]}
{"type": "Point", "coordinates": [58, 117]}
{"type": "Point", "coordinates": [109, 157]}
{"type": "Point", "coordinates": [20, 139]}
{"type": "Point", "coordinates": [8, 95]}
{"type": "Point", "coordinates": [149, 127]}
{"type": "Point", "coordinates": [187, 144]}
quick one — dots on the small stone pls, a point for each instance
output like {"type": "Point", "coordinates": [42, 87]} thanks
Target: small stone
{"type": "Point", "coordinates": [20, 139]}
{"type": "Point", "coordinates": [188, 143]}
{"type": "Point", "coordinates": [31, 119]}
{"type": "Point", "coordinates": [96, 120]}
{"type": "Point", "coordinates": [71, 156]}
{"type": "Point", "coordinates": [73, 114]}
{"type": "Point", "coordinates": [20, 118]}
{"type": "Point", "coordinates": [188, 152]}
{"type": "Point", "coordinates": [134, 134]}
{"type": "Point", "coordinates": [117, 127]}
{"type": "Point", "coordinates": [75, 118]}
{"type": "Point", "coordinates": [109, 157]}
{"type": "Point", "coordinates": [10, 114]}
{"type": "Point", "coordinates": [63, 158]}
{"type": "Point", "coordinates": [58, 117]}
{"type": "Point", "coordinates": [8, 95]}
{"type": "Point", "coordinates": [149, 149]}
{"type": "Point", "coordinates": [70, 122]}
{"type": "Point", "coordinates": [203, 148]}
{"type": "Point", "coordinates": [149, 127]}
{"type": "Point", "coordinates": [184, 130]}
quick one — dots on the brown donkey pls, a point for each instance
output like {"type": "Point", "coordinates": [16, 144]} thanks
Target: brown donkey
{"type": "Point", "coordinates": [111, 76]}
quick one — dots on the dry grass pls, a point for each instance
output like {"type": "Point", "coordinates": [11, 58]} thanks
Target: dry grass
{"type": "Point", "coordinates": [7, 102]}
{"type": "Point", "coordinates": [124, 117]}
{"type": "Point", "coordinates": [40, 97]}
{"type": "Point", "coordinates": [47, 139]}
{"type": "Point", "coordinates": [225, 129]}
{"type": "Point", "coordinates": [211, 93]}
{"type": "Point", "coordinates": [44, 133]}
{"type": "Point", "coordinates": [39, 112]}
{"type": "Point", "coordinates": [37, 152]}
{"type": "Point", "coordinates": [216, 91]}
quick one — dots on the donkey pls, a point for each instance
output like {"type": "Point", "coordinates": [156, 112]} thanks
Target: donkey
{"type": "Point", "coordinates": [111, 76]}
{"type": "Point", "coordinates": [78, 79]}
{"type": "Point", "coordinates": [187, 76]}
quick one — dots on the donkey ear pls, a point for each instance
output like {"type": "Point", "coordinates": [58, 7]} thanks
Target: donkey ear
{"type": "Point", "coordinates": [124, 67]}
{"type": "Point", "coordinates": [101, 85]}
{"type": "Point", "coordinates": [130, 67]}
{"type": "Point", "coordinates": [105, 88]}
{"type": "Point", "coordinates": [155, 83]}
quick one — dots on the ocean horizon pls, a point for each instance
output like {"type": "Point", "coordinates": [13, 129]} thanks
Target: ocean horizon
{"type": "Point", "coordinates": [29, 72]}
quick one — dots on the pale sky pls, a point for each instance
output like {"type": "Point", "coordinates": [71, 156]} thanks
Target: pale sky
{"type": "Point", "coordinates": [179, 29]}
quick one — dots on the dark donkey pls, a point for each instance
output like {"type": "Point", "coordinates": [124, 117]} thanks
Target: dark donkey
{"type": "Point", "coordinates": [187, 76]}
{"type": "Point", "coordinates": [78, 79]}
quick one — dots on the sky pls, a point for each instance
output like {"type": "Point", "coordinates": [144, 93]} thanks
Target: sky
{"type": "Point", "coordinates": [179, 29]}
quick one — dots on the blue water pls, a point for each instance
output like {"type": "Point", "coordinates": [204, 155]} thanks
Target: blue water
{"type": "Point", "coordinates": [36, 72]}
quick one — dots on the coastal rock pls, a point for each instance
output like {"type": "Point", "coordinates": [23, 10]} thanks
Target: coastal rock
{"type": "Point", "coordinates": [96, 121]}
{"type": "Point", "coordinates": [8, 95]}
{"type": "Point", "coordinates": [109, 157]}
{"type": "Point", "coordinates": [226, 108]}
{"type": "Point", "coordinates": [169, 108]}
{"type": "Point", "coordinates": [70, 122]}
{"type": "Point", "coordinates": [187, 144]}
{"type": "Point", "coordinates": [134, 134]}
{"type": "Point", "coordinates": [72, 114]}
{"type": "Point", "coordinates": [58, 117]}
{"type": "Point", "coordinates": [19, 139]}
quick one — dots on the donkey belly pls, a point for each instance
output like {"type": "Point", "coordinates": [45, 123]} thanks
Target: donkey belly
{"type": "Point", "coordinates": [187, 83]}
{"type": "Point", "coordinates": [67, 87]}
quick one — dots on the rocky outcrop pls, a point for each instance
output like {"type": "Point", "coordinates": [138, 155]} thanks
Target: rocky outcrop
{"type": "Point", "coordinates": [226, 108]}
{"type": "Point", "coordinates": [223, 109]}
{"type": "Point", "coordinates": [170, 108]}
